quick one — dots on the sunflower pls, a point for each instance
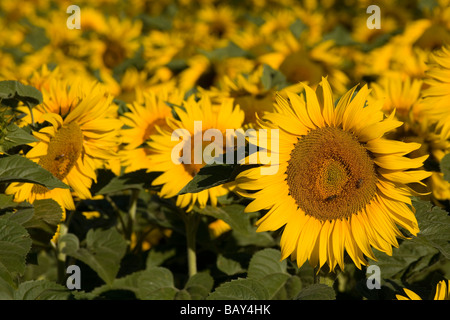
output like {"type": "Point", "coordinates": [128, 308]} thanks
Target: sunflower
{"type": "Point", "coordinates": [442, 292]}
{"type": "Point", "coordinates": [437, 109]}
{"type": "Point", "coordinates": [115, 44]}
{"type": "Point", "coordinates": [307, 63]}
{"type": "Point", "coordinates": [404, 95]}
{"type": "Point", "coordinates": [249, 92]}
{"type": "Point", "coordinates": [145, 115]}
{"type": "Point", "coordinates": [399, 54]}
{"type": "Point", "coordinates": [437, 95]}
{"type": "Point", "coordinates": [339, 184]}
{"type": "Point", "coordinates": [219, 21]}
{"type": "Point", "coordinates": [79, 133]}
{"type": "Point", "coordinates": [174, 175]}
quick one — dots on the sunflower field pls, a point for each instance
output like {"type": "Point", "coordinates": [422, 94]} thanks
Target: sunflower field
{"type": "Point", "coordinates": [225, 150]}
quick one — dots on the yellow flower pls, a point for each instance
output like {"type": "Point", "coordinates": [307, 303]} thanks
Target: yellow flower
{"type": "Point", "coordinates": [442, 292]}
{"type": "Point", "coordinates": [340, 184]}
{"type": "Point", "coordinates": [437, 95]}
{"type": "Point", "coordinates": [176, 175]}
{"type": "Point", "coordinates": [217, 228]}
{"type": "Point", "coordinates": [301, 63]}
{"type": "Point", "coordinates": [220, 20]}
{"type": "Point", "coordinates": [399, 54]}
{"type": "Point", "coordinates": [249, 93]}
{"type": "Point", "coordinates": [147, 115]}
{"type": "Point", "coordinates": [118, 42]}
{"type": "Point", "coordinates": [436, 109]}
{"type": "Point", "coordinates": [81, 135]}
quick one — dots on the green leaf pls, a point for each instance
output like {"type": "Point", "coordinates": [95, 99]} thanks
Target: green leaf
{"type": "Point", "coordinates": [154, 283]}
{"type": "Point", "coordinates": [341, 36]}
{"type": "Point", "coordinates": [6, 287]}
{"type": "Point", "coordinates": [402, 258]}
{"type": "Point", "coordinates": [240, 289]}
{"type": "Point", "coordinates": [233, 215]}
{"type": "Point", "coordinates": [15, 90]}
{"type": "Point", "coordinates": [157, 284]}
{"type": "Point", "coordinates": [434, 225]}
{"type": "Point", "coordinates": [199, 286]}
{"type": "Point", "coordinates": [272, 79]}
{"type": "Point", "coordinates": [156, 22]}
{"type": "Point", "coordinates": [41, 290]}
{"type": "Point", "coordinates": [297, 28]}
{"type": "Point", "coordinates": [15, 243]}
{"type": "Point", "coordinates": [228, 266]}
{"type": "Point", "coordinates": [445, 166]}
{"type": "Point", "coordinates": [230, 51]}
{"type": "Point", "coordinates": [103, 252]}
{"type": "Point", "coordinates": [317, 292]}
{"type": "Point", "coordinates": [14, 136]}
{"type": "Point", "coordinates": [155, 257]}
{"type": "Point", "coordinates": [41, 219]}
{"type": "Point", "coordinates": [209, 176]}
{"type": "Point", "coordinates": [7, 202]}
{"type": "Point", "coordinates": [275, 283]}
{"type": "Point", "coordinates": [267, 267]}
{"type": "Point", "coordinates": [266, 262]}
{"type": "Point", "coordinates": [140, 179]}
{"type": "Point", "coordinates": [20, 169]}
{"type": "Point", "coordinates": [47, 215]}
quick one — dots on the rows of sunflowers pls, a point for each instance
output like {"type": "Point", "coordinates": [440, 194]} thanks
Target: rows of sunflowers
{"type": "Point", "coordinates": [348, 99]}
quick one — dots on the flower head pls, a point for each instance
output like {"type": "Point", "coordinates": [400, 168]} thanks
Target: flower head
{"type": "Point", "coordinates": [340, 185]}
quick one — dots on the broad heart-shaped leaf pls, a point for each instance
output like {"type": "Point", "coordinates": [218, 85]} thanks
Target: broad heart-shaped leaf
{"type": "Point", "coordinates": [228, 265]}
{"type": "Point", "coordinates": [434, 225]}
{"type": "Point", "coordinates": [15, 243]}
{"type": "Point", "coordinates": [266, 262]}
{"type": "Point", "coordinates": [103, 252]}
{"type": "Point", "coordinates": [47, 215]}
{"type": "Point", "coordinates": [407, 254]}
{"type": "Point", "coordinates": [157, 284]}
{"type": "Point", "coordinates": [317, 292]}
{"type": "Point", "coordinates": [267, 267]}
{"type": "Point", "coordinates": [445, 166]}
{"type": "Point", "coordinates": [41, 219]}
{"type": "Point", "coordinates": [41, 290]}
{"type": "Point", "coordinates": [240, 289]}
{"type": "Point", "coordinates": [199, 286]}
{"type": "Point", "coordinates": [15, 90]}
{"type": "Point", "coordinates": [20, 169]}
{"type": "Point", "coordinates": [153, 283]}
{"type": "Point", "coordinates": [14, 136]}
{"type": "Point", "coordinates": [7, 202]}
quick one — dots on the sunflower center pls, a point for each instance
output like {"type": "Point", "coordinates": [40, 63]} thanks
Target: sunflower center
{"type": "Point", "coordinates": [299, 67]}
{"type": "Point", "coordinates": [113, 55]}
{"type": "Point", "coordinates": [64, 149]}
{"type": "Point", "coordinates": [330, 174]}
{"type": "Point", "coordinates": [193, 168]}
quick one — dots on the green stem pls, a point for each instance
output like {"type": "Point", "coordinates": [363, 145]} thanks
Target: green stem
{"type": "Point", "coordinates": [132, 211]}
{"type": "Point", "coordinates": [191, 221]}
{"type": "Point", "coordinates": [31, 113]}
{"type": "Point", "coordinates": [316, 275]}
